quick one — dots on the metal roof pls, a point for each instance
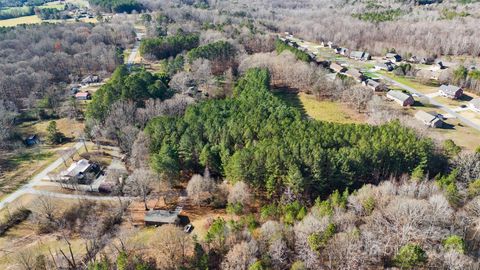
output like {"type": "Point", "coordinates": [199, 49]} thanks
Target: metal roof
{"type": "Point", "coordinates": [162, 216]}
{"type": "Point", "coordinates": [398, 95]}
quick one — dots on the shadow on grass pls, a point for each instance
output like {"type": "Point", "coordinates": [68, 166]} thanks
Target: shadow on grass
{"type": "Point", "coordinates": [465, 97]}
{"type": "Point", "coordinates": [290, 97]}
{"type": "Point", "coordinates": [447, 126]}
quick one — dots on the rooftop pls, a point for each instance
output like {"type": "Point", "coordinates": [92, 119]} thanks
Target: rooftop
{"type": "Point", "coordinates": [398, 95]}
{"type": "Point", "coordinates": [475, 103]}
{"type": "Point", "coordinates": [161, 216]}
{"type": "Point", "coordinates": [449, 89]}
{"type": "Point", "coordinates": [77, 167]}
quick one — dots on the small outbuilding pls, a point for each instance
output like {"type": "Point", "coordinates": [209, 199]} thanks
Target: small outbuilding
{"type": "Point", "coordinates": [388, 66]}
{"type": "Point", "coordinates": [83, 96]}
{"type": "Point", "coordinates": [429, 119]}
{"type": "Point", "coordinates": [400, 97]}
{"type": "Point", "coordinates": [450, 91]}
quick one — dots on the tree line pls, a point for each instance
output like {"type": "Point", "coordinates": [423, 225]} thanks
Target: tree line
{"type": "Point", "coordinates": [117, 6]}
{"type": "Point", "coordinates": [256, 138]}
{"type": "Point", "coordinates": [170, 46]}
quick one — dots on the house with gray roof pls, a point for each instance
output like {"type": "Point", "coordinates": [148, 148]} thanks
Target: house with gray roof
{"type": "Point", "coordinates": [359, 55]}
{"type": "Point", "coordinates": [450, 91]}
{"type": "Point", "coordinates": [475, 105]}
{"type": "Point", "coordinates": [388, 66]}
{"type": "Point", "coordinates": [393, 57]}
{"type": "Point", "coordinates": [161, 217]}
{"type": "Point", "coordinates": [429, 119]}
{"type": "Point", "coordinates": [400, 97]}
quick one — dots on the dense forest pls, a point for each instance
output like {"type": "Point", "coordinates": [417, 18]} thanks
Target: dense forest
{"type": "Point", "coordinates": [170, 46]}
{"type": "Point", "coordinates": [118, 6]}
{"type": "Point", "coordinates": [255, 138]}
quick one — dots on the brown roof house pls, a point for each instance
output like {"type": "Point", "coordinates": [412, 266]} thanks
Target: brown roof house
{"type": "Point", "coordinates": [400, 97]}
{"type": "Point", "coordinates": [429, 119]}
{"type": "Point", "coordinates": [474, 105]}
{"type": "Point", "coordinates": [356, 74]}
{"type": "Point", "coordinates": [450, 91]}
{"type": "Point", "coordinates": [374, 85]}
{"type": "Point", "coordinates": [337, 68]}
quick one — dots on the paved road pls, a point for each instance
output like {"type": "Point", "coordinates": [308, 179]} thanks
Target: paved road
{"type": "Point", "coordinates": [433, 102]}
{"type": "Point", "coordinates": [28, 188]}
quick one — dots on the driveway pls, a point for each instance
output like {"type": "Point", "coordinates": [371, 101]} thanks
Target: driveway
{"type": "Point", "coordinates": [28, 188]}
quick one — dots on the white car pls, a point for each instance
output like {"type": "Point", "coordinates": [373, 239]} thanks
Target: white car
{"type": "Point", "coordinates": [188, 228]}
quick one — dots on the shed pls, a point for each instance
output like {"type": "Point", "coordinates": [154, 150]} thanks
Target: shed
{"type": "Point", "coordinates": [90, 79]}
{"type": "Point", "coordinates": [429, 119]}
{"type": "Point", "coordinates": [161, 217]}
{"type": "Point", "coordinates": [450, 91]}
{"type": "Point", "coordinates": [357, 55]}
{"type": "Point", "coordinates": [341, 51]}
{"type": "Point", "coordinates": [83, 96]}
{"type": "Point", "coordinates": [388, 66]}
{"type": "Point", "coordinates": [400, 97]}
{"type": "Point", "coordinates": [475, 105]}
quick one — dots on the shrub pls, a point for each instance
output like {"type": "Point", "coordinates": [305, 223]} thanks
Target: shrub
{"type": "Point", "coordinates": [410, 256]}
{"type": "Point", "coordinates": [474, 188]}
{"type": "Point", "coordinates": [454, 242]}
{"type": "Point", "coordinates": [451, 148]}
{"type": "Point", "coordinates": [368, 205]}
{"type": "Point", "coordinates": [318, 241]}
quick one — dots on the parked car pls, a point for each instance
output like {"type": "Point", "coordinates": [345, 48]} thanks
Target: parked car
{"type": "Point", "coordinates": [188, 228]}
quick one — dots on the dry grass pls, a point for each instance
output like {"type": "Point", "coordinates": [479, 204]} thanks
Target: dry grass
{"type": "Point", "coordinates": [71, 128]}
{"type": "Point", "coordinates": [328, 110]}
{"type": "Point", "coordinates": [33, 19]}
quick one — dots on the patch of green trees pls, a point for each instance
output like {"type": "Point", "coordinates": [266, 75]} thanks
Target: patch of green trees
{"type": "Point", "coordinates": [170, 46]}
{"type": "Point", "coordinates": [118, 6]}
{"type": "Point", "coordinates": [281, 46]}
{"type": "Point", "coordinates": [256, 138]}
{"type": "Point", "coordinates": [220, 50]}
{"type": "Point", "coordinates": [379, 16]}
{"type": "Point", "coordinates": [125, 85]}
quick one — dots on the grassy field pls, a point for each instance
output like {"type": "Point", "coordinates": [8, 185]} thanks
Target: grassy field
{"type": "Point", "coordinates": [21, 20]}
{"type": "Point", "coordinates": [426, 89]}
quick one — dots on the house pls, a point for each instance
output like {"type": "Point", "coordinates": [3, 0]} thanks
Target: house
{"type": "Point", "coordinates": [359, 55]}
{"type": "Point", "coordinates": [427, 61]}
{"type": "Point", "coordinates": [388, 66]}
{"type": "Point", "coordinates": [32, 140]}
{"type": "Point", "coordinates": [429, 119]}
{"type": "Point", "coordinates": [161, 217]}
{"type": "Point", "coordinates": [83, 96]}
{"type": "Point", "coordinates": [474, 105]}
{"type": "Point", "coordinates": [374, 85]}
{"type": "Point", "coordinates": [393, 57]}
{"type": "Point", "coordinates": [400, 97]}
{"type": "Point", "coordinates": [337, 68]}
{"type": "Point", "coordinates": [77, 170]}
{"type": "Point", "coordinates": [356, 74]}
{"type": "Point", "coordinates": [90, 79]}
{"type": "Point", "coordinates": [450, 91]}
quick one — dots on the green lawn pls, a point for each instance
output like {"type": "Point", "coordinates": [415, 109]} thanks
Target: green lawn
{"type": "Point", "coordinates": [426, 89]}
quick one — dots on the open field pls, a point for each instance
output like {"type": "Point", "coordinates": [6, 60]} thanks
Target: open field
{"type": "Point", "coordinates": [425, 89]}
{"type": "Point", "coordinates": [323, 110]}
{"type": "Point", "coordinates": [34, 19]}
